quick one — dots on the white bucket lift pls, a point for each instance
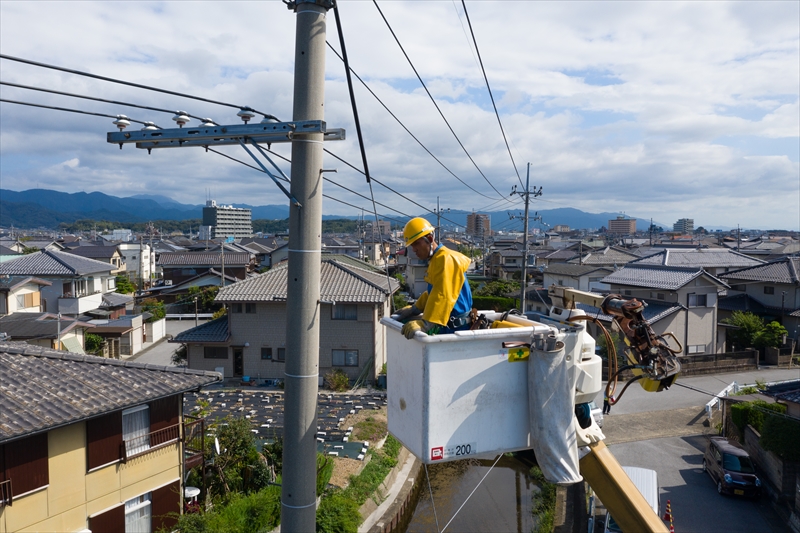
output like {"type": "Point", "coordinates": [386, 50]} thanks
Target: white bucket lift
{"type": "Point", "coordinates": [457, 396]}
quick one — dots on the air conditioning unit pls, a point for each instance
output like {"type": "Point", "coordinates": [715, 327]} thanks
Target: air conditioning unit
{"type": "Point", "coordinates": [167, 282]}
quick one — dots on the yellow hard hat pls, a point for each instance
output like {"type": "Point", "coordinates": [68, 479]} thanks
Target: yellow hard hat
{"type": "Point", "coordinates": [416, 228]}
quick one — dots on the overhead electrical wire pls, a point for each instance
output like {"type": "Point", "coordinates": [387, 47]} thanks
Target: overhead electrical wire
{"type": "Point", "coordinates": [72, 111]}
{"type": "Point", "coordinates": [396, 118]}
{"type": "Point", "coordinates": [397, 40]}
{"type": "Point", "coordinates": [128, 104]}
{"type": "Point", "coordinates": [131, 84]}
{"type": "Point", "coordinates": [489, 88]}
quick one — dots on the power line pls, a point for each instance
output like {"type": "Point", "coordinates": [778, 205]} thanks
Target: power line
{"type": "Point", "coordinates": [131, 84]}
{"type": "Point", "coordinates": [368, 88]}
{"type": "Point", "coordinates": [128, 104]}
{"type": "Point", "coordinates": [72, 110]}
{"type": "Point", "coordinates": [432, 99]}
{"type": "Point", "coordinates": [503, 131]}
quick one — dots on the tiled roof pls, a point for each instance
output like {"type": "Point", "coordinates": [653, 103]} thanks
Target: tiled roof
{"type": "Point", "coordinates": [41, 389]}
{"type": "Point", "coordinates": [561, 254]}
{"type": "Point", "coordinates": [48, 263]}
{"type": "Point", "coordinates": [703, 258]}
{"type": "Point", "coordinates": [203, 258]}
{"type": "Point", "coordinates": [339, 282]}
{"type": "Point", "coordinates": [653, 312]}
{"type": "Point", "coordinates": [4, 250]}
{"type": "Point", "coordinates": [658, 277]}
{"type": "Point", "coordinates": [114, 299]}
{"type": "Point", "coordinates": [783, 270]}
{"type": "Point", "coordinates": [41, 325]}
{"type": "Point", "coordinates": [213, 331]}
{"type": "Point", "coordinates": [105, 252]}
{"type": "Point", "coordinates": [608, 256]}
{"type": "Point", "coordinates": [12, 282]}
{"type": "Point", "coordinates": [569, 269]}
{"type": "Point", "coordinates": [740, 302]}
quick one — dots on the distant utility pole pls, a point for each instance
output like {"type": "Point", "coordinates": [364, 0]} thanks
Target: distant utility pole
{"type": "Point", "coordinates": [525, 195]}
{"type": "Point", "coordinates": [439, 212]}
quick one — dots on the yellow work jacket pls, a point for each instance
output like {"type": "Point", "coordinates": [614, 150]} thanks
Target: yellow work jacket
{"type": "Point", "coordinates": [446, 275]}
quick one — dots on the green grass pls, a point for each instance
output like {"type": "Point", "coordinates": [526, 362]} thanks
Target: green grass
{"type": "Point", "coordinates": [364, 485]}
{"type": "Point", "coordinates": [544, 502]}
{"type": "Point", "coordinates": [370, 429]}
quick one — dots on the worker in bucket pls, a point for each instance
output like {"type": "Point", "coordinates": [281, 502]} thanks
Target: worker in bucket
{"type": "Point", "coordinates": [446, 305]}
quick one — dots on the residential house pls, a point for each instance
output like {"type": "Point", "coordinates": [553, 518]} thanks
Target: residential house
{"type": "Point", "coordinates": [770, 290]}
{"type": "Point", "coordinates": [715, 261]}
{"type": "Point", "coordinates": [77, 283]}
{"type": "Point", "coordinates": [693, 290]}
{"type": "Point", "coordinates": [251, 339]}
{"type": "Point", "coordinates": [21, 294]}
{"type": "Point", "coordinates": [40, 245]}
{"type": "Point", "coordinates": [7, 253]}
{"type": "Point", "coordinates": [343, 246]}
{"type": "Point", "coordinates": [140, 262]}
{"type": "Point", "coordinates": [125, 335]}
{"type": "Point", "coordinates": [180, 266]}
{"type": "Point", "coordinates": [46, 330]}
{"type": "Point", "coordinates": [414, 270]}
{"type": "Point", "coordinates": [609, 256]}
{"type": "Point", "coordinates": [506, 264]}
{"type": "Point", "coordinates": [106, 254]}
{"type": "Point", "coordinates": [92, 444]}
{"type": "Point", "coordinates": [581, 277]}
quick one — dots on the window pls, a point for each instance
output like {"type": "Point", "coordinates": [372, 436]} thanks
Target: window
{"type": "Point", "coordinates": [697, 300]}
{"type": "Point", "coordinates": [281, 354]}
{"type": "Point", "coordinates": [137, 514]}
{"type": "Point", "coordinates": [660, 296]}
{"type": "Point", "coordinates": [769, 290]}
{"type": "Point", "coordinates": [266, 353]}
{"type": "Point", "coordinates": [250, 308]}
{"type": "Point", "coordinates": [25, 464]}
{"type": "Point", "coordinates": [740, 288]}
{"type": "Point", "coordinates": [136, 430]}
{"type": "Point", "coordinates": [112, 283]}
{"type": "Point", "coordinates": [345, 312]}
{"type": "Point", "coordinates": [236, 308]}
{"type": "Point", "coordinates": [697, 348]}
{"type": "Point", "coordinates": [215, 352]}
{"type": "Point", "coordinates": [344, 357]}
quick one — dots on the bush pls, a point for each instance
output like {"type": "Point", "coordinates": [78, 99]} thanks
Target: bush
{"type": "Point", "coordinates": [781, 435]}
{"type": "Point", "coordinates": [495, 303]}
{"type": "Point", "coordinates": [544, 502]}
{"type": "Point", "coordinates": [257, 512]}
{"type": "Point", "coordinates": [155, 307]}
{"type": "Point", "coordinates": [180, 355]}
{"type": "Point", "coordinates": [753, 413]}
{"type": "Point", "coordinates": [337, 381]}
{"type": "Point", "coordinates": [324, 472]}
{"type": "Point", "coordinates": [338, 514]}
{"type": "Point", "coordinates": [124, 285]}
{"type": "Point", "coordinates": [93, 343]}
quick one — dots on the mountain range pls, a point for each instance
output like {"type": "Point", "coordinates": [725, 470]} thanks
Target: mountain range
{"type": "Point", "coordinates": [46, 208]}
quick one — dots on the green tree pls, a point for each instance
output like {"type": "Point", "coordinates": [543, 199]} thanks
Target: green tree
{"type": "Point", "coordinates": [205, 297]}
{"type": "Point", "coordinates": [771, 336]}
{"type": "Point", "coordinates": [124, 285]}
{"type": "Point", "coordinates": [748, 326]}
{"type": "Point", "coordinates": [29, 250]}
{"type": "Point", "coordinates": [497, 287]}
{"type": "Point", "coordinates": [93, 343]}
{"type": "Point", "coordinates": [180, 355]}
{"type": "Point", "coordinates": [155, 307]}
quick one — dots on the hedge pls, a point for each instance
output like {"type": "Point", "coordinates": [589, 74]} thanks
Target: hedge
{"type": "Point", "coordinates": [781, 436]}
{"type": "Point", "coordinates": [496, 303]}
{"type": "Point", "coordinates": [753, 413]}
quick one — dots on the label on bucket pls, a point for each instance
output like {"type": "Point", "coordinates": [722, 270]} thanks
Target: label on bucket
{"type": "Point", "coordinates": [455, 451]}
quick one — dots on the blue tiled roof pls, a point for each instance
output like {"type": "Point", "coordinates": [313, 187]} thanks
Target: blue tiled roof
{"type": "Point", "coordinates": [658, 277]}
{"type": "Point", "coordinates": [213, 331]}
{"type": "Point", "coordinates": [48, 263]}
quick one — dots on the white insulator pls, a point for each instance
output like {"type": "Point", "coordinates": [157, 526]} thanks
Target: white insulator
{"type": "Point", "coordinates": [207, 122]}
{"type": "Point", "coordinates": [246, 115]}
{"type": "Point", "coordinates": [181, 118]}
{"type": "Point", "coordinates": [150, 126]}
{"type": "Point", "coordinates": [122, 122]}
{"type": "Point", "coordinates": [269, 120]}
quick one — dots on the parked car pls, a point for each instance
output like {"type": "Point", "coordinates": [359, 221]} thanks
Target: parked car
{"type": "Point", "coordinates": [730, 466]}
{"type": "Point", "coordinates": [646, 480]}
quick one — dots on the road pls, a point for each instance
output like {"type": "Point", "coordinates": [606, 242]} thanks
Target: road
{"type": "Point", "coordinates": [666, 432]}
{"type": "Point", "coordinates": [160, 353]}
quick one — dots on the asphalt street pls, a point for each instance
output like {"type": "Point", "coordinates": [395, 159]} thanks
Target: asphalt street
{"type": "Point", "coordinates": [160, 353]}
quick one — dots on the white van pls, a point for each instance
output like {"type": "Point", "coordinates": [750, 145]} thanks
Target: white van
{"type": "Point", "coordinates": [646, 481]}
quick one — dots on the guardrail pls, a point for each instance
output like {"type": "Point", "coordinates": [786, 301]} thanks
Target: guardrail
{"type": "Point", "coordinates": [715, 402]}
{"type": "Point", "coordinates": [188, 316]}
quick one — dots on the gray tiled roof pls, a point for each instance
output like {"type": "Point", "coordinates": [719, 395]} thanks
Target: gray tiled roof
{"type": "Point", "coordinates": [703, 258]}
{"type": "Point", "coordinates": [561, 254]}
{"type": "Point", "coordinates": [569, 269]}
{"type": "Point", "coordinates": [41, 389]}
{"type": "Point", "coordinates": [12, 282]}
{"type": "Point", "coordinates": [41, 325]}
{"type": "Point", "coordinates": [4, 250]}
{"type": "Point", "coordinates": [48, 263]}
{"type": "Point", "coordinates": [203, 258]}
{"type": "Point", "coordinates": [608, 256]}
{"type": "Point", "coordinates": [113, 299]}
{"type": "Point", "coordinates": [213, 331]}
{"type": "Point", "coordinates": [339, 282]}
{"type": "Point", "coordinates": [658, 277]}
{"type": "Point", "coordinates": [781, 271]}
{"type": "Point", "coordinates": [94, 252]}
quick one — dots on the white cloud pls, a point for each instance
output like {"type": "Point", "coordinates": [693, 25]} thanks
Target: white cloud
{"type": "Point", "coordinates": [619, 106]}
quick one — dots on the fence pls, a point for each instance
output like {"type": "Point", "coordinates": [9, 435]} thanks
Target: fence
{"type": "Point", "coordinates": [149, 442]}
{"type": "Point", "coordinates": [716, 402]}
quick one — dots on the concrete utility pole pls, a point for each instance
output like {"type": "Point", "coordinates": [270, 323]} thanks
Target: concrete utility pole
{"type": "Point", "coordinates": [298, 493]}
{"type": "Point", "coordinates": [526, 194]}
{"type": "Point", "coordinates": [439, 212]}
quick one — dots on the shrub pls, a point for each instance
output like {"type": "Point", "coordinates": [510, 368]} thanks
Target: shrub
{"type": "Point", "coordinates": [93, 343]}
{"type": "Point", "coordinates": [324, 472]}
{"type": "Point", "coordinates": [155, 307]}
{"type": "Point", "coordinates": [753, 413]}
{"type": "Point", "coordinates": [180, 355]}
{"type": "Point", "coordinates": [336, 380]}
{"type": "Point", "coordinates": [495, 303]}
{"type": "Point", "coordinates": [338, 514]}
{"type": "Point", "coordinates": [544, 502]}
{"type": "Point", "coordinates": [124, 285]}
{"type": "Point", "coordinates": [781, 435]}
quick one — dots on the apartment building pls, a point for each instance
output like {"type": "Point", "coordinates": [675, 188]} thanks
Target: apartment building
{"type": "Point", "coordinates": [684, 225]}
{"type": "Point", "coordinates": [91, 444]}
{"type": "Point", "coordinates": [622, 226]}
{"type": "Point", "coordinates": [227, 221]}
{"type": "Point", "coordinates": [479, 225]}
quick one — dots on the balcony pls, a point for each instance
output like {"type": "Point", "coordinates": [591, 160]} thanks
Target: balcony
{"type": "Point", "coordinates": [194, 442]}
{"type": "Point", "coordinates": [6, 496]}
{"type": "Point", "coordinates": [149, 442]}
{"type": "Point", "coordinates": [70, 304]}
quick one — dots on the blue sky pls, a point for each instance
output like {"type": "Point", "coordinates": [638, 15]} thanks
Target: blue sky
{"type": "Point", "coordinates": [662, 110]}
